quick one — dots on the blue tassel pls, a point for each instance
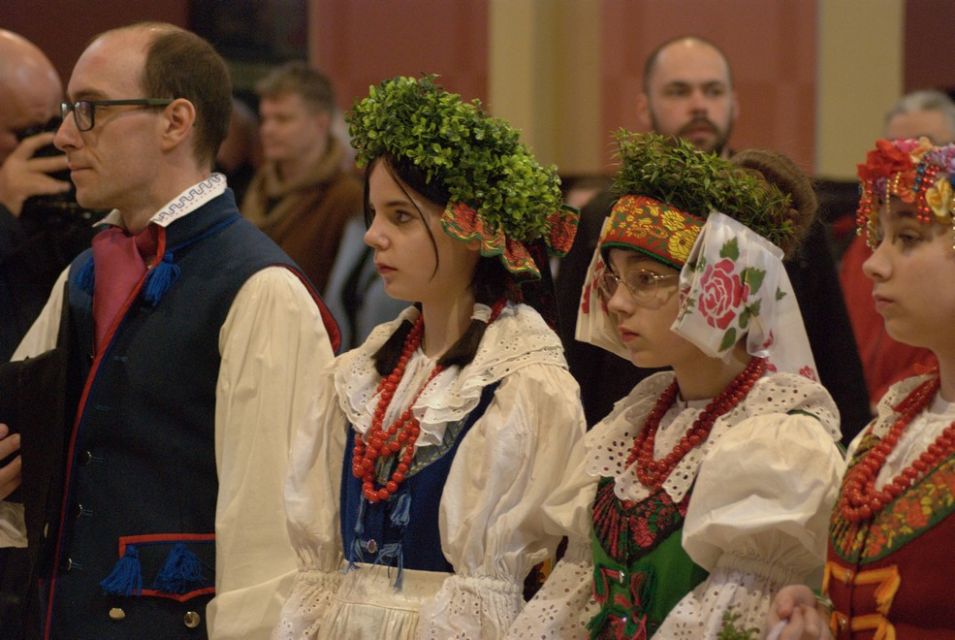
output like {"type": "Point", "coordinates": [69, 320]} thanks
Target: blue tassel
{"type": "Point", "coordinates": [401, 514]}
{"type": "Point", "coordinates": [126, 577]}
{"type": "Point", "coordinates": [85, 277]}
{"type": "Point", "coordinates": [163, 276]}
{"type": "Point", "coordinates": [181, 572]}
{"type": "Point", "coordinates": [394, 551]}
{"type": "Point", "coordinates": [355, 554]}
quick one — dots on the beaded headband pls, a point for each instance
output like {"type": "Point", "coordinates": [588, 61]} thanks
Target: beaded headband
{"type": "Point", "coordinates": [499, 194]}
{"type": "Point", "coordinates": [915, 172]}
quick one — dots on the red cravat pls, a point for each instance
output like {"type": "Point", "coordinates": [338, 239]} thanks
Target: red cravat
{"type": "Point", "coordinates": [120, 261]}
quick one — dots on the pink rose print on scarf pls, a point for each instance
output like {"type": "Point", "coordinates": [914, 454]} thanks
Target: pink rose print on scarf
{"type": "Point", "coordinates": [721, 293]}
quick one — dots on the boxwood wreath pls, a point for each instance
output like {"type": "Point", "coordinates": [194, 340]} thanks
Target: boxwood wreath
{"type": "Point", "coordinates": [673, 171]}
{"type": "Point", "coordinates": [477, 158]}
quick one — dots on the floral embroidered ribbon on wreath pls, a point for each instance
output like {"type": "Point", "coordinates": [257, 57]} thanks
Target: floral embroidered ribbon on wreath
{"type": "Point", "coordinates": [463, 222]}
{"type": "Point", "coordinates": [734, 284]}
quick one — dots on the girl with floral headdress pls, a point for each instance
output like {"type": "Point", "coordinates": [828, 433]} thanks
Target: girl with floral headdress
{"type": "Point", "coordinates": [414, 492]}
{"type": "Point", "coordinates": [708, 487]}
{"type": "Point", "coordinates": [890, 560]}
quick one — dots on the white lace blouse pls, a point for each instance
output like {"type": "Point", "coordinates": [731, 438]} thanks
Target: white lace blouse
{"type": "Point", "coordinates": [765, 482]}
{"type": "Point", "coordinates": [507, 465]}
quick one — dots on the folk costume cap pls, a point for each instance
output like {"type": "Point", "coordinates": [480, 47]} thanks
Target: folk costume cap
{"type": "Point", "coordinates": [500, 195]}
{"type": "Point", "coordinates": [720, 226]}
{"type": "Point", "coordinates": [915, 172]}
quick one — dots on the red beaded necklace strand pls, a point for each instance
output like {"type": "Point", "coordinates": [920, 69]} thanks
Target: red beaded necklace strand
{"type": "Point", "coordinates": [860, 500]}
{"type": "Point", "coordinates": [652, 473]}
{"type": "Point", "coordinates": [402, 434]}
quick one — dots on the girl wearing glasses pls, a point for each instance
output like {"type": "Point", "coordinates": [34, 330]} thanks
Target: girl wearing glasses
{"type": "Point", "coordinates": [707, 487]}
{"type": "Point", "coordinates": [415, 489]}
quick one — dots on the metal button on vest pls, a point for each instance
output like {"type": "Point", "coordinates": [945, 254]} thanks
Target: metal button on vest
{"type": "Point", "coordinates": [372, 546]}
{"type": "Point", "coordinates": [86, 457]}
{"type": "Point", "coordinates": [69, 564]}
{"type": "Point", "coordinates": [116, 614]}
{"type": "Point", "coordinates": [191, 619]}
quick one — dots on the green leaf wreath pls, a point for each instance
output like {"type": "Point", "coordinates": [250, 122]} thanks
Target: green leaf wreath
{"type": "Point", "coordinates": [479, 159]}
{"type": "Point", "coordinates": [675, 172]}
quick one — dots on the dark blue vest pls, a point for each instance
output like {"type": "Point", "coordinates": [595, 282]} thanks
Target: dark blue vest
{"type": "Point", "coordinates": [403, 531]}
{"type": "Point", "coordinates": [141, 472]}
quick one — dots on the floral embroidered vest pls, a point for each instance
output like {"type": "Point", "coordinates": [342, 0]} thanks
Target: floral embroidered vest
{"type": "Point", "coordinates": [640, 568]}
{"type": "Point", "coordinates": [890, 577]}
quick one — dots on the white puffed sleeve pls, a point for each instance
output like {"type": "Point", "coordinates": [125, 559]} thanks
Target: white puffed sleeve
{"type": "Point", "coordinates": [562, 607]}
{"type": "Point", "coordinates": [312, 496]}
{"type": "Point", "coordinates": [757, 520]}
{"type": "Point", "coordinates": [274, 346]}
{"type": "Point", "coordinates": [490, 520]}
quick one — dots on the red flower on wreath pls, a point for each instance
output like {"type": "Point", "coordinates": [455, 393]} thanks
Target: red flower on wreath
{"type": "Point", "coordinates": [722, 292]}
{"type": "Point", "coordinates": [885, 161]}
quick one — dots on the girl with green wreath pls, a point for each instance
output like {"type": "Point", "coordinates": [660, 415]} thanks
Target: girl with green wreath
{"type": "Point", "coordinates": [708, 487]}
{"type": "Point", "coordinates": [415, 488]}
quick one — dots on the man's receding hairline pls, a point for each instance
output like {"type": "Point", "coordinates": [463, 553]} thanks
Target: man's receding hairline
{"type": "Point", "coordinates": [649, 66]}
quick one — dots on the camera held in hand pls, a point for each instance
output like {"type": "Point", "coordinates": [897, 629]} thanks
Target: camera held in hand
{"type": "Point", "coordinates": [64, 203]}
{"type": "Point", "coordinates": [44, 209]}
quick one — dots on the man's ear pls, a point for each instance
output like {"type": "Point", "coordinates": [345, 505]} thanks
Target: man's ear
{"type": "Point", "coordinates": [643, 111]}
{"type": "Point", "coordinates": [177, 123]}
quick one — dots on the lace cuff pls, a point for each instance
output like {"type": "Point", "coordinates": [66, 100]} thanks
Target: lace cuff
{"type": "Point", "coordinates": [728, 589]}
{"type": "Point", "coordinates": [302, 614]}
{"type": "Point", "coordinates": [470, 608]}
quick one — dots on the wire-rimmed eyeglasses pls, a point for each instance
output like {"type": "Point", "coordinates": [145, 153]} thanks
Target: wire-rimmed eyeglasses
{"type": "Point", "coordinates": [646, 288]}
{"type": "Point", "coordinates": [84, 111]}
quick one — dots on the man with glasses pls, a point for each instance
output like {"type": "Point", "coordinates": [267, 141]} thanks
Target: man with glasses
{"type": "Point", "coordinates": [197, 344]}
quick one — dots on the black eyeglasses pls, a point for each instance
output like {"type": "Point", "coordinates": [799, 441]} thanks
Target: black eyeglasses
{"type": "Point", "coordinates": [646, 288]}
{"type": "Point", "coordinates": [84, 111]}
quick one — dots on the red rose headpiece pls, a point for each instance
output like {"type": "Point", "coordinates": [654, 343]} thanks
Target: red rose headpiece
{"type": "Point", "coordinates": [915, 172]}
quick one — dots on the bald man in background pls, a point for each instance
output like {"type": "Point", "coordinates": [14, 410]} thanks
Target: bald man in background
{"type": "Point", "coordinates": [41, 228]}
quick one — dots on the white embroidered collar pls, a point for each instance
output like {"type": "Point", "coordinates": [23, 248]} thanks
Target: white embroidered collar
{"type": "Point", "coordinates": [519, 337]}
{"type": "Point", "coordinates": [183, 204]}
{"type": "Point", "coordinates": [608, 444]}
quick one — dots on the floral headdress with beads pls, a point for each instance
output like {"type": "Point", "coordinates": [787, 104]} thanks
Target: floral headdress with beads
{"type": "Point", "coordinates": [721, 226]}
{"type": "Point", "coordinates": [499, 194]}
{"type": "Point", "coordinates": [915, 172]}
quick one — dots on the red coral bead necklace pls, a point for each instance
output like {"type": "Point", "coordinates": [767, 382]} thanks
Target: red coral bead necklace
{"type": "Point", "coordinates": [860, 500]}
{"type": "Point", "coordinates": [400, 437]}
{"type": "Point", "coordinates": [652, 472]}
